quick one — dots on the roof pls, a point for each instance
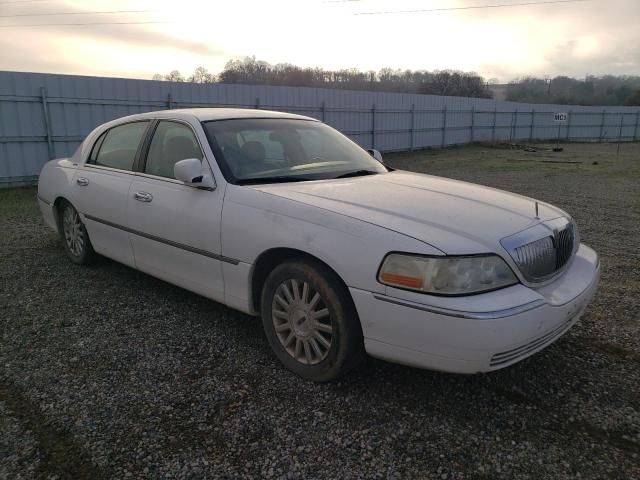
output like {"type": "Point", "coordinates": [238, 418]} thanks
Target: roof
{"type": "Point", "coordinates": [205, 114]}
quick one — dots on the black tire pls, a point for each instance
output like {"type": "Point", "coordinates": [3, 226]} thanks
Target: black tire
{"type": "Point", "coordinates": [81, 251]}
{"type": "Point", "coordinates": [346, 348]}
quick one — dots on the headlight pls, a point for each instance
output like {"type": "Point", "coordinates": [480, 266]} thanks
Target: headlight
{"type": "Point", "coordinates": [446, 275]}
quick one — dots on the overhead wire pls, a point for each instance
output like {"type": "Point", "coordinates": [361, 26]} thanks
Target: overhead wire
{"type": "Point", "coordinates": [468, 7]}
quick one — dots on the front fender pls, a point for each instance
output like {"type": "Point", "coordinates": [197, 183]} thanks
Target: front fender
{"type": "Point", "coordinates": [254, 222]}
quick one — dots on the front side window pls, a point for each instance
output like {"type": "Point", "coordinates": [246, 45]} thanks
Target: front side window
{"type": "Point", "coordinates": [119, 145]}
{"type": "Point", "coordinates": [171, 142]}
{"type": "Point", "coordinates": [269, 149]}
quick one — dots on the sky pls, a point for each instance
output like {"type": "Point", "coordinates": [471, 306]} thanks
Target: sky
{"type": "Point", "coordinates": [592, 37]}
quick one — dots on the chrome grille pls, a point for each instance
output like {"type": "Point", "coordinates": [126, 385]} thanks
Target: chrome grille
{"type": "Point", "coordinates": [540, 259]}
{"type": "Point", "coordinates": [536, 259]}
{"type": "Point", "coordinates": [564, 246]}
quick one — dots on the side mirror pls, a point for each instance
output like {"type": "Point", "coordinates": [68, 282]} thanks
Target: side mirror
{"type": "Point", "coordinates": [375, 154]}
{"type": "Point", "coordinates": [190, 171]}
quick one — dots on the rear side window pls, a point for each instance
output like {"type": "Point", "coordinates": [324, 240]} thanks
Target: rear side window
{"type": "Point", "coordinates": [118, 146]}
{"type": "Point", "coordinates": [171, 142]}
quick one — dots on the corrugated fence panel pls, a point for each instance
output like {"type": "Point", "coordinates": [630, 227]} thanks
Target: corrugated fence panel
{"type": "Point", "coordinates": [74, 105]}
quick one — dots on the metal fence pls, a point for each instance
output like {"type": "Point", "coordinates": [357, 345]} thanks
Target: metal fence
{"type": "Point", "coordinates": [44, 116]}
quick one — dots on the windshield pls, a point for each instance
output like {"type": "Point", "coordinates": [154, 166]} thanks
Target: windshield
{"type": "Point", "coordinates": [259, 150]}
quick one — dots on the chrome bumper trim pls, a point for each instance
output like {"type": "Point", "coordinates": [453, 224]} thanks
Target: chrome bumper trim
{"type": "Point", "coordinates": [508, 312]}
{"type": "Point", "coordinates": [518, 353]}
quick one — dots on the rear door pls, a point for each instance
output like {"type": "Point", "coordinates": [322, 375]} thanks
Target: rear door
{"type": "Point", "coordinates": [101, 188]}
{"type": "Point", "coordinates": [175, 227]}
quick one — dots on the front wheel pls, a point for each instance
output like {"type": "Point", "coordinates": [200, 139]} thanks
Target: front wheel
{"type": "Point", "coordinates": [310, 321]}
{"type": "Point", "coordinates": [74, 235]}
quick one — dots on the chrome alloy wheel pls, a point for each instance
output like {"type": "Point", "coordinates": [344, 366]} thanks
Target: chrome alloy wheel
{"type": "Point", "coordinates": [302, 322]}
{"type": "Point", "coordinates": [73, 231]}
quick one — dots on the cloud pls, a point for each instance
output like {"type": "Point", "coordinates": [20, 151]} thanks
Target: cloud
{"type": "Point", "coordinates": [594, 37]}
{"type": "Point", "coordinates": [50, 47]}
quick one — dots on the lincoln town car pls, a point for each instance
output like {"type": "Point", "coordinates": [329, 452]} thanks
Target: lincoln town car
{"type": "Point", "coordinates": [281, 216]}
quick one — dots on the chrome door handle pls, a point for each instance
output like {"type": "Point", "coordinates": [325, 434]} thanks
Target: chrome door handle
{"type": "Point", "coordinates": [83, 182]}
{"type": "Point", "coordinates": [143, 196]}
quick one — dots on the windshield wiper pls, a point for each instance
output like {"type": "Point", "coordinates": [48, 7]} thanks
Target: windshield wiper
{"type": "Point", "coordinates": [357, 173]}
{"type": "Point", "coordinates": [274, 179]}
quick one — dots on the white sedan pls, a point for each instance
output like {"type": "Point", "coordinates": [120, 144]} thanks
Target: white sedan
{"type": "Point", "coordinates": [281, 216]}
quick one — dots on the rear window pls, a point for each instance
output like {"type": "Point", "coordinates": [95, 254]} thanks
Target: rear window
{"type": "Point", "coordinates": [117, 147]}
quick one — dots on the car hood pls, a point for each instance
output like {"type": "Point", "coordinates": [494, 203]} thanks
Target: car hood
{"type": "Point", "coordinates": [453, 216]}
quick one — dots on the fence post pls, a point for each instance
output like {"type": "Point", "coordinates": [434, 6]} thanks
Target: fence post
{"type": "Point", "coordinates": [493, 128]}
{"type": "Point", "coordinates": [635, 131]}
{"type": "Point", "coordinates": [620, 133]}
{"type": "Point", "coordinates": [257, 103]}
{"type": "Point", "coordinates": [473, 115]}
{"type": "Point", "coordinates": [533, 123]}
{"type": "Point", "coordinates": [322, 110]}
{"type": "Point", "coordinates": [169, 102]}
{"type": "Point", "coordinates": [47, 123]}
{"type": "Point", "coordinates": [621, 127]}
{"type": "Point", "coordinates": [602, 125]}
{"type": "Point", "coordinates": [373, 126]}
{"type": "Point", "coordinates": [514, 121]}
{"type": "Point", "coordinates": [444, 125]}
{"type": "Point", "coordinates": [413, 126]}
{"type": "Point", "coordinates": [568, 137]}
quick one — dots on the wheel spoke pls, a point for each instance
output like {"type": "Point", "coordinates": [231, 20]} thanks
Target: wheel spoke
{"type": "Point", "coordinates": [315, 347]}
{"type": "Point", "coordinates": [305, 292]}
{"type": "Point", "coordinates": [287, 293]}
{"type": "Point", "coordinates": [321, 313]}
{"type": "Point", "coordinates": [288, 340]}
{"type": "Point", "coordinates": [323, 327]}
{"type": "Point", "coordinates": [283, 327]}
{"type": "Point", "coordinates": [323, 341]}
{"type": "Point", "coordinates": [295, 289]}
{"type": "Point", "coordinates": [280, 314]}
{"type": "Point", "coordinates": [314, 301]}
{"type": "Point", "coordinates": [281, 301]}
{"type": "Point", "coordinates": [307, 352]}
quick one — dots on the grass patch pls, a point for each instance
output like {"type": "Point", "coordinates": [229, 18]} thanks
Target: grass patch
{"type": "Point", "coordinates": [18, 200]}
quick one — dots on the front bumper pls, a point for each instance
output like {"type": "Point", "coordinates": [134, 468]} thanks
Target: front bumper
{"type": "Point", "coordinates": [463, 335]}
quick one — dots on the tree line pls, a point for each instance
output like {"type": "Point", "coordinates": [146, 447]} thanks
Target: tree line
{"type": "Point", "coordinates": [592, 90]}
{"type": "Point", "coordinates": [256, 72]}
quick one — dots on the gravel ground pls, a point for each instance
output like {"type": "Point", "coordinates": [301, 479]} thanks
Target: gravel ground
{"type": "Point", "coordinates": [109, 373]}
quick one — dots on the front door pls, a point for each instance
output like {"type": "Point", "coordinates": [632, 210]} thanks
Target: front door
{"type": "Point", "coordinates": [175, 228]}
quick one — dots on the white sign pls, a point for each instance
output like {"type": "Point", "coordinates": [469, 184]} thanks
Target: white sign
{"type": "Point", "coordinates": [560, 117]}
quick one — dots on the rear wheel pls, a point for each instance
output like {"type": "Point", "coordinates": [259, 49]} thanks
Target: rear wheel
{"type": "Point", "coordinates": [74, 235]}
{"type": "Point", "coordinates": [310, 321]}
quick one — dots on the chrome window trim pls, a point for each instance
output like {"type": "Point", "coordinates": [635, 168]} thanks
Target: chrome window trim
{"type": "Point", "coordinates": [162, 179]}
{"type": "Point", "coordinates": [108, 169]}
{"type": "Point", "coordinates": [492, 315]}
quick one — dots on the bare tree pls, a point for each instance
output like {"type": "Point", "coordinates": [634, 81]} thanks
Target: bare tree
{"type": "Point", "coordinates": [201, 75]}
{"type": "Point", "coordinates": [250, 70]}
{"type": "Point", "coordinates": [174, 76]}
